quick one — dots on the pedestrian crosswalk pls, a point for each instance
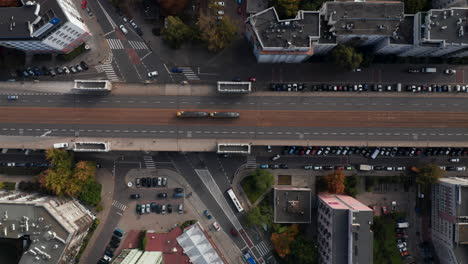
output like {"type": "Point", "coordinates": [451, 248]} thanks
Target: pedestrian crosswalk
{"type": "Point", "coordinates": [149, 162]}
{"type": "Point", "coordinates": [138, 44]}
{"type": "Point", "coordinates": [251, 162]}
{"type": "Point", "coordinates": [189, 74]}
{"type": "Point", "coordinates": [262, 248]}
{"type": "Point", "coordinates": [115, 44]}
{"type": "Point", "coordinates": [108, 69]}
{"type": "Point", "coordinates": [119, 205]}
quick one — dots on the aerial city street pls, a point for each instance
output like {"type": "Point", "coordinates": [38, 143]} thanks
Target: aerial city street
{"type": "Point", "coordinates": [230, 132]}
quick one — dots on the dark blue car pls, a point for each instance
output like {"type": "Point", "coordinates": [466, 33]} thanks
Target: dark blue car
{"type": "Point", "coordinates": [177, 70]}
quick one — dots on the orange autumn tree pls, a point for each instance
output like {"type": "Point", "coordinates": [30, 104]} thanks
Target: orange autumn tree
{"type": "Point", "coordinates": [282, 241]}
{"type": "Point", "coordinates": [335, 182]}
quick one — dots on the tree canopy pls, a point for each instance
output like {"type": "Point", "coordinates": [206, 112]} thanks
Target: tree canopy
{"type": "Point", "coordinates": [302, 251]}
{"type": "Point", "coordinates": [217, 34]}
{"type": "Point", "coordinates": [64, 178]}
{"type": "Point", "coordinates": [429, 174]}
{"type": "Point", "coordinates": [282, 241]}
{"type": "Point", "coordinates": [263, 180]}
{"type": "Point", "coordinates": [287, 8]}
{"type": "Point", "coordinates": [415, 6]}
{"type": "Point", "coordinates": [176, 32]}
{"type": "Point", "coordinates": [259, 216]}
{"type": "Point", "coordinates": [346, 57]}
{"type": "Point", "coordinates": [335, 182]}
{"type": "Point", "coordinates": [172, 7]}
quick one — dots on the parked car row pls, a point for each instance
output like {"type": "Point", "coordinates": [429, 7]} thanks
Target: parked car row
{"type": "Point", "coordinates": [151, 182]}
{"type": "Point", "coordinates": [51, 71]}
{"type": "Point", "coordinates": [273, 166]}
{"type": "Point", "coordinates": [373, 152]}
{"type": "Point", "coordinates": [21, 164]}
{"type": "Point", "coordinates": [216, 226]}
{"type": "Point", "coordinates": [114, 243]}
{"type": "Point", "coordinates": [133, 24]}
{"type": "Point", "coordinates": [436, 88]}
{"type": "Point", "coordinates": [301, 87]}
{"type": "Point", "coordinates": [157, 208]}
{"type": "Point", "coordinates": [453, 168]}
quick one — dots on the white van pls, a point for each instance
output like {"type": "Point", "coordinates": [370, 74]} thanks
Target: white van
{"type": "Point", "coordinates": [60, 145]}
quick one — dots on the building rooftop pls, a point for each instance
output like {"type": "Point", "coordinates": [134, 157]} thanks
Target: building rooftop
{"type": "Point", "coordinates": [292, 205]}
{"type": "Point", "coordinates": [363, 18]}
{"type": "Point", "coordinates": [48, 224]}
{"type": "Point", "coordinates": [31, 19]}
{"type": "Point", "coordinates": [290, 33]}
{"type": "Point", "coordinates": [337, 201]}
{"type": "Point", "coordinates": [168, 245]}
{"type": "Point", "coordinates": [198, 247]}
{"type": "Point", "coordinates": [404, 32]}
{"type": "Point", "coordinates": [447, 24]}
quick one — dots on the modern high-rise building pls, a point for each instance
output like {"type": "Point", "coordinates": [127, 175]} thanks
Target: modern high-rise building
{"type": "Point", "coordinates": [344, 234]}
{"type": "Point", "coordinates": [42, 26]}
{"type": "Point", "coordinates": [449, 220]}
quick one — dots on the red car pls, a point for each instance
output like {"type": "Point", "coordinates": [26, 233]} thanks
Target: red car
{"type": "Point", "coordinates": [234, 232]}
{"type": "Point", "coordinates": [83, 4]}
{"type": "Point", "coordinates": [252, 79]}
{"type": "Point", "coordinates": [384, 210]}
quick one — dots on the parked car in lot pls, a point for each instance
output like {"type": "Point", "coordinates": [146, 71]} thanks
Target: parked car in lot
{"type": "Point", "coordinates": [135, 196]}
{"type": "Point", "coordinates": [123, 29]}
{"type": "Point", "coordinates": [454, 160]}
{"type": "Point", "coordinates": [138, 182]}
{"type": "Point", "coordinates": [177, 70]}
{"type": "Point", "coordinates": [134, 25]}
{"type": "Point", "coordinates": [12, 97]}
{"type": "Point", "coordinates": [138, 209]}
{"type": "Point", "coordinates": [216, 226]}
{"type": "Point", "coordinates": [180, 208]}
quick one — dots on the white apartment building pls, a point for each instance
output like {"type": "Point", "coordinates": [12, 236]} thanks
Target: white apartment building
{"type": "Point", "coordinates": [42, 26]}
{"type": "Point", "coordinates": [449, 220]}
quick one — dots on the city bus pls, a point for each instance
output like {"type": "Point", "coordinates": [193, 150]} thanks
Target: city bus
{"type": "Point", "coordinates": [235, 201]}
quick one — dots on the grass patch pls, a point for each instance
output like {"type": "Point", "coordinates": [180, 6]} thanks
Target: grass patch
{"type": "Point", "coordinates": [70, 56]}
{"type": "Point", "coordinates": [385, 245]}
{"type": "Point", "coordinates": [248, 184]}
{"type": "Point", "coordinates": [86, 240]}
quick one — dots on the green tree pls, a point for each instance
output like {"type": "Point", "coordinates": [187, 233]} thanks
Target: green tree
{"type": "Point", "coordinates": [176, 32]}
{"type": "Point", "coordinates": [255, 217]}
{"type": "Point", "coordinates": [287, 8]}
{"type": "Point", "coordinates": [312, 5]}
{"type": "Point", "coordinates": [263, 180]}
{"type": "Point", "coordinates": [415, 6]}
{"type": "Point", "coordinates": [429, 174]}
{"type": "Point", "coordinates": [302, 251]}
{"type": "Point", "coordinates": [351, 185]}
{"type": "Point", "coordinates": [217, 34]}
{"type": "Point", "coordinates": [346, 57]}
{"type": "Point", "coordinates": [91, 193]}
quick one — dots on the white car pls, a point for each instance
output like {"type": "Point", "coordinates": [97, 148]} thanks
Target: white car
{"type": "Point", "coordinates": [220, 3]}
{"type": "Point", "coordinates": [152, 74]}
{"type": "Point", "coordinates": [124, 30]}
{"type": "Point", "coordinates": [454, 160]}
{"type": "Point", "coordinates": [143, 208]}
{"type": "Point", "coordinates": [461, 168]}
{"type": "Point", "coordinates": [275, 157]}
{"type": "Point", "coordinates": [216, 226]}
{"type": "Point", "coordinates": [450, 71]}
{"type": "Point", "coordinates": [442, 167]}
{"type": "Point", "coordinates": [60, 145]}
{"type": "Point", "coordinates": [220, 12]}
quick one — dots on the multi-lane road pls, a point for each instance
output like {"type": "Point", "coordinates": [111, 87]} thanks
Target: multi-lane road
{"type": "Point", "coordinates": [368, 117]}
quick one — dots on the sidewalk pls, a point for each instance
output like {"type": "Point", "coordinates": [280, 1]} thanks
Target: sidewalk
{"type": "Point", "coordinates": [106, 179]}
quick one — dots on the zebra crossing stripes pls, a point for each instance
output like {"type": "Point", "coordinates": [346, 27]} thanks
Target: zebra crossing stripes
{"type": "Point", "coordinates": [189, 74]}
{"type": "Point", "coordinates": [115, 44]}
{"type": "Point", "coordinates": [262, 248]}
{"type": "Point", "coordinates": [138, 44]}
{"type": "Point", "coordinates": [119, 205]}
{"type": "Point", "coordinates": [251, 162]}
{"type": "Point", "coordinates": [149, 162]}
{"type": "Point", "coordinates": [110, 73]}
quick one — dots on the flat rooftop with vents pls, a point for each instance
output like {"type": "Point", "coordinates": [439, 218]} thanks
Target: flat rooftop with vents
{"type": "Point", "coordinates": [448, 25]}
{"type": "Point", "coordinates": [272, 32]}
{"type": "Point", "coordinates": [292, 205]}
{"type": "Point", "coordinates": [363, 18]}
